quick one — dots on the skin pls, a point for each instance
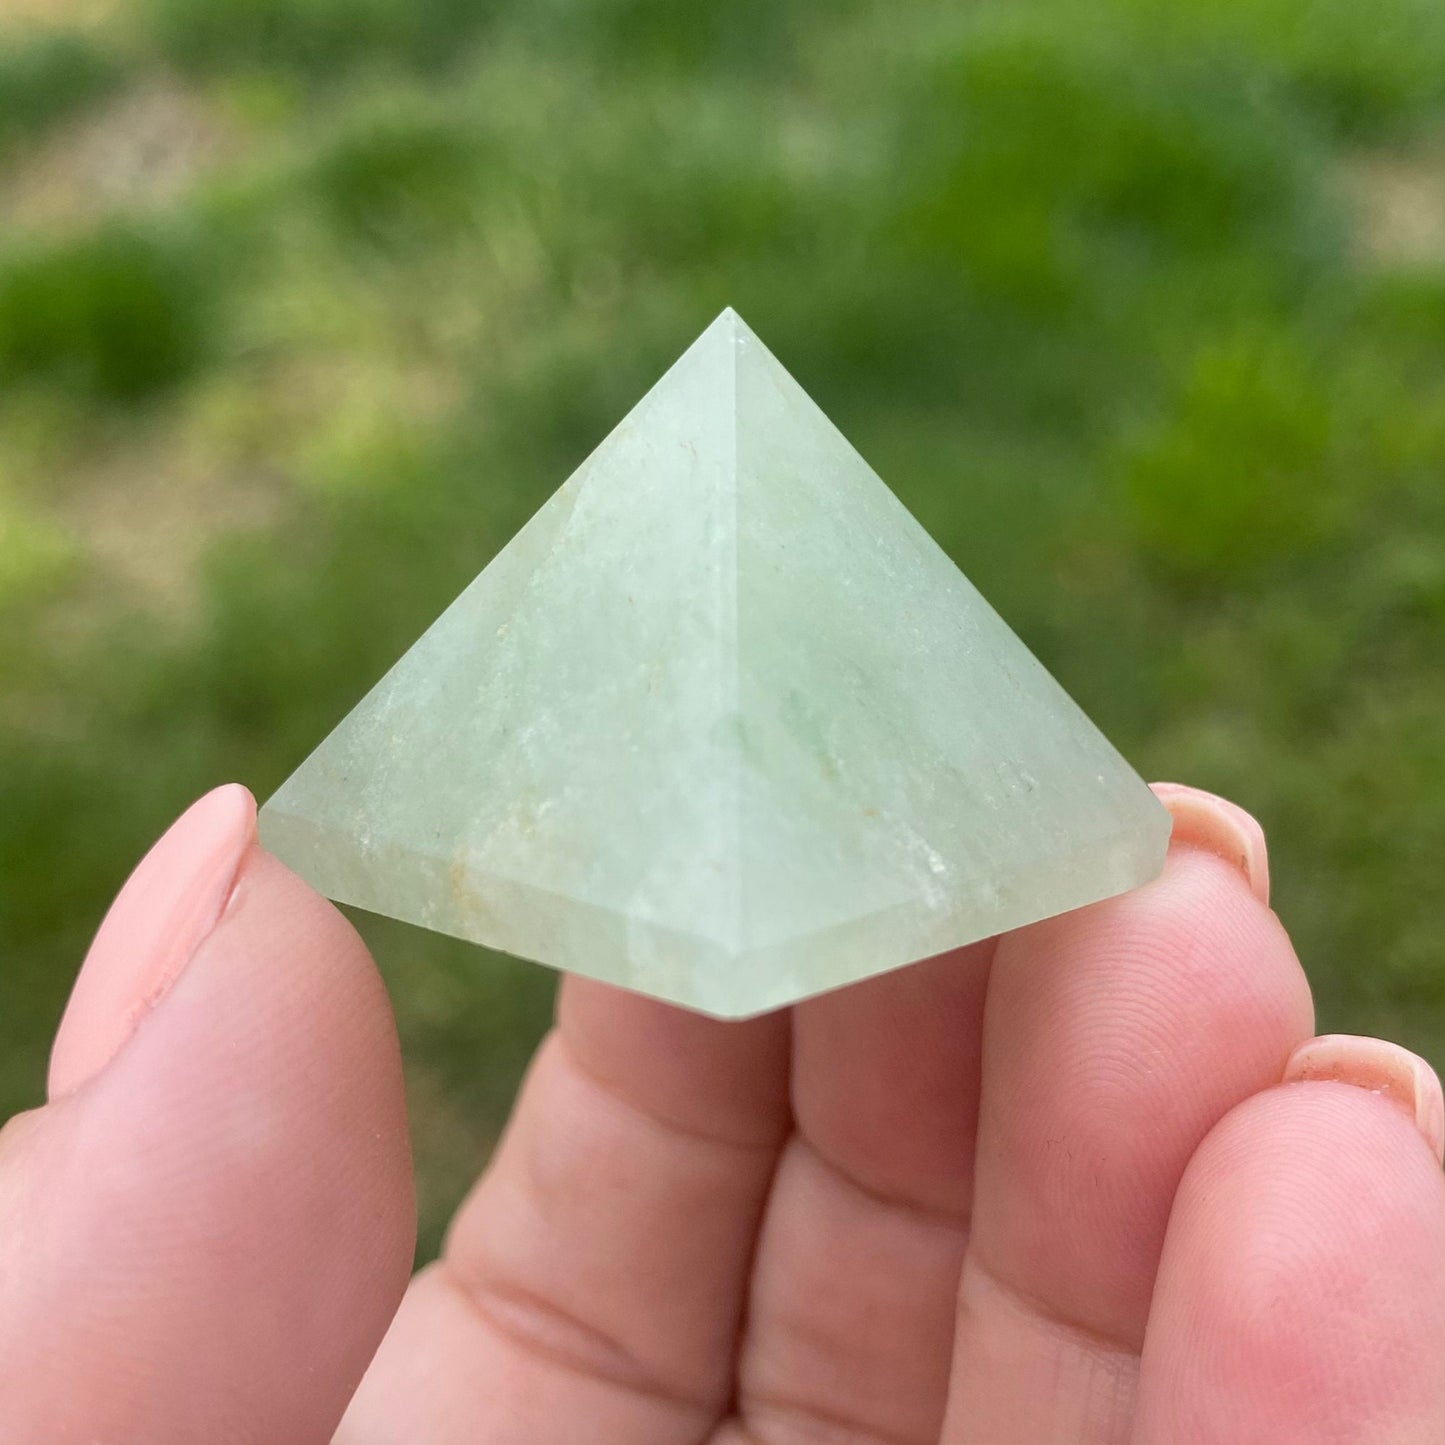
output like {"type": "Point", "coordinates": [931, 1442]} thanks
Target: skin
{"type": "Point", "coordinates": [1093, 1181]}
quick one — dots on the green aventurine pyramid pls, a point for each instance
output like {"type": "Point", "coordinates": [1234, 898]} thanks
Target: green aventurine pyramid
{"type": "Point", "coordinates": [721, 724]}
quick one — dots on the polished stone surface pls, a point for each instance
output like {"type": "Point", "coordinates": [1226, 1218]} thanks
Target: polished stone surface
{"type": "Point", "coordinates": [722, 724]}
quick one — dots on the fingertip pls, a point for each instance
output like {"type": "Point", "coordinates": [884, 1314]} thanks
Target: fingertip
{"type": "Point", "coordinates": [1379, 1067]}
{"type": "Point", "coordinates": [1115, 1039]}
{"type": "Point", "coordinates": [161, 916]}
{"type": "Point", "coordinates": [1301, 1294]}
{"type": "Point", "coordinates": [230, 1191]}
{"type": "Point", "coordinates": [1205, 820]}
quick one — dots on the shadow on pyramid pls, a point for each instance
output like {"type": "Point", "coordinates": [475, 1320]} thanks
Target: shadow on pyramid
{"type": "Point", "coordinates": [721, 724]}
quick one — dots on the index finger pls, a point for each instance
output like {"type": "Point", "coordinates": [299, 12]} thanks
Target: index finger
{"type": "Point", "coordinates": [592, 1286]}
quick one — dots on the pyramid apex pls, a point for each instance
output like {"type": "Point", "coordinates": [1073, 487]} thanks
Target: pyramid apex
{"type": "Point", "coordinates": [724, 339]}
{"type": "Point", "coordinates": [729, 322]}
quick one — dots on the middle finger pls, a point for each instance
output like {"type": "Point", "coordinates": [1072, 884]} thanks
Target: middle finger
{"type": "Point", "coordinates": [1115, 1038]}
{"type": "Point", "coordinates": [851, 1315]}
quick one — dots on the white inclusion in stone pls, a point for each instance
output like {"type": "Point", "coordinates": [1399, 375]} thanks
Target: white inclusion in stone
{"type": "Point", "coordinates": [721, 724]}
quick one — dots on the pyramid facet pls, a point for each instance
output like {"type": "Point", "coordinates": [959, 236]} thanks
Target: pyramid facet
{"type": "Point", "coordinates": [721, 724]}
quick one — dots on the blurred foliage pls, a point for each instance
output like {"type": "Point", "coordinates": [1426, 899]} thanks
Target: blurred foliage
{"type": "Point", "coordinates": [115, 314]}
{"type": "Point", "coordinates": [319, 39]}
{"type": "Point", "coordinates": [1139, 306]}
{"type": "Point", "coordinates": [46, 77]}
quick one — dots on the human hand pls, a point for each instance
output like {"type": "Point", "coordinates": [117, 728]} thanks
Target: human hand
{"type": "Point", "coordinates": [1049, 1190]}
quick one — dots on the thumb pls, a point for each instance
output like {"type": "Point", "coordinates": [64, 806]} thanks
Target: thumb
{"type": "Point", "coordinates": [206, 1230]}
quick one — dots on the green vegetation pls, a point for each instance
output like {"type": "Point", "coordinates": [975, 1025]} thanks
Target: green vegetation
{"type": "Point", "coordinates": [113, 314]}
{"type": "Point", "coordinates": [46, 77]}
{"type": "Point", "coordinates": [1139, 306]}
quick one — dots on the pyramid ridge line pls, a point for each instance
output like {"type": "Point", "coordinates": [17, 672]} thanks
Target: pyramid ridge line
{"type": "Point", "coordinates": [801, 816]}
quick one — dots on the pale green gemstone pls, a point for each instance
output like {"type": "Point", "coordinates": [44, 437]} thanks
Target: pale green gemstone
{"type": "Point", "coordinates": [721, 724]}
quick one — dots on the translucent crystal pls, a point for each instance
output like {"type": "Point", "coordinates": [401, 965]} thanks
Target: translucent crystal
{"type": "Point", "coordinates": [721, 724]}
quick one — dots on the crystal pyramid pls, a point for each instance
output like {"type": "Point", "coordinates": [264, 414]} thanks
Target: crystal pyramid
{"type": "Point", "coordinates": [721, 724]}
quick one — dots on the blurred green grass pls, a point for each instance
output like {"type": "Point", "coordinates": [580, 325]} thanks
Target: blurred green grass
{"type": "Point", "coordinates": [1140, 307]}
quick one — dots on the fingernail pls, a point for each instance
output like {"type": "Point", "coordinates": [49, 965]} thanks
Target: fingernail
{"type": "Point", "coordinates": [159, 919]}
{"type": "Point", "coordinates": [1221, 827]}
{"type": "Point", "coordinates": [1382, 1068]}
